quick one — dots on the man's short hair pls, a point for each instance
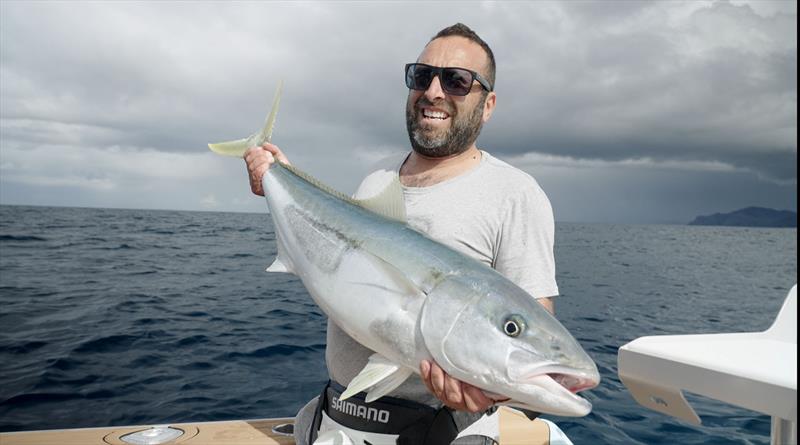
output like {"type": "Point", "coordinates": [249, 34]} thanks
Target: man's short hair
{"type": "Point", "coordinates": [462, 30]}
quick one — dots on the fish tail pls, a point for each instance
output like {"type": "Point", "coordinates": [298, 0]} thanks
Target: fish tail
{"type": "Point", "coordinates": [238, 147]}
{"type": "Point", "coordinates": [231, 148]}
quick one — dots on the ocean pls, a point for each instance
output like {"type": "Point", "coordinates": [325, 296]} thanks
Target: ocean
{"type": "Point", "coordinates": [123, 317]}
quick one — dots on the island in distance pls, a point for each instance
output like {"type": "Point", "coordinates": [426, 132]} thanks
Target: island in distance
{"type": "Point", "coordinates": [749, 217]}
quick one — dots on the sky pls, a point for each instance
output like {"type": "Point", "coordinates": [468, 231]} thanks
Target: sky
{"type": "Point", "coordinates": [624, 112]}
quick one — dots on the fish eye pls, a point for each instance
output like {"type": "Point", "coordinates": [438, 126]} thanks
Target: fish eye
{"type": "Point", "coordinates": [513, 326]}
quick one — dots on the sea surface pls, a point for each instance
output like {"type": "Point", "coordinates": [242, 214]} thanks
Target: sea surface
{"type": "Point", "coordinates": [122, 317]}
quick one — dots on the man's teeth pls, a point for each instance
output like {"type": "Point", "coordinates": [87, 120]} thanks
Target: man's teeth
{"type": "Point", "coordinates": [434, 114]}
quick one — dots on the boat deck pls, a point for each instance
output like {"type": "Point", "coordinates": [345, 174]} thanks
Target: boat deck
{"type": "Point", "coordinates": [237, 432]}
{"type": "Point", "coordinates": [515, 429]}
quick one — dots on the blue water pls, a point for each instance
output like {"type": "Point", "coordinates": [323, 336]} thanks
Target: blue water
{"type": "Point", "coordinates": [120, 317]}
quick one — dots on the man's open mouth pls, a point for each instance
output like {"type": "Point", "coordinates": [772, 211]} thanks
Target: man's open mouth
{"type": "Point", "coordinates": [434, 114]}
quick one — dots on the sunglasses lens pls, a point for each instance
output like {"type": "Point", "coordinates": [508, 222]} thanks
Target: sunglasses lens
{"type": "Point", "coordinates": [418, 77]}
{"type": "Point", "coordinates": [456, 81]}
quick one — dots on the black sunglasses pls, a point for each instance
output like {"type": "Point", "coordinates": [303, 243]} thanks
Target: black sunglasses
{"type": "Point", "coordinates": [455, 81]}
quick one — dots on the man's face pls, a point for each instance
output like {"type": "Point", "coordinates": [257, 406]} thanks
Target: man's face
{"type": "Point", "coordinates": [439, 124]}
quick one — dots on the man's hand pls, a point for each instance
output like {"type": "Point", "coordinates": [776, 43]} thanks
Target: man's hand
{"type": "Point", "coordinates": [454, 393]}
{"type": "Point", "coordinates": [258, 160]}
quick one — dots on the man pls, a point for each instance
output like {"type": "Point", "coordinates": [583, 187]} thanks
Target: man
{"type": "Point", "coordinates": [455, 193]}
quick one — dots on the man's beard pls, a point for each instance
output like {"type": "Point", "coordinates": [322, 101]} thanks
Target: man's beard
{"type": "Point", "coordinates": [457, 139]}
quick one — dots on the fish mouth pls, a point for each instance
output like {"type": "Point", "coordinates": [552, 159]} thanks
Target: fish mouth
{"type": "Point", "coordinates": [554, 393]}
{"type": "Point", "coordinates": [561, 382]}
{"type": "Point", "coordinates": [573, 383]}
{"type": "Point", "coordinates": [572, 379]}
{"type": "Point", "coordinates": [566, 383]}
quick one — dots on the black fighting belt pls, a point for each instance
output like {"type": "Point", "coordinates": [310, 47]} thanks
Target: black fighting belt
{"type": "Point", "coordinates": [415, 423]}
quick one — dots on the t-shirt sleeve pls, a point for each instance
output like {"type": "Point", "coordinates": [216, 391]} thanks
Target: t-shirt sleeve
{"type": "Point", "coordinates": [525, 246]}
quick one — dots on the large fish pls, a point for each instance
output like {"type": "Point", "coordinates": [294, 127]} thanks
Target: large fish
{"type": "Point", "coordinates": [410, 298]}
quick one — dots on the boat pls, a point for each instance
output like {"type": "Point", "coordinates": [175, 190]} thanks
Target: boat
{"type": "Point", "coordinates": [752, 370]}
{"type": "Point", "coordinates": [515, 429]}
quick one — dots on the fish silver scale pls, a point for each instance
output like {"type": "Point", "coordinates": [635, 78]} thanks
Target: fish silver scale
{"type": "Point", "coordinates": [390, 240]}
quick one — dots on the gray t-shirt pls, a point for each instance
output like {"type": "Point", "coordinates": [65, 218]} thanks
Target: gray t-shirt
{"type": "Point", "coordinates": [494, 213]}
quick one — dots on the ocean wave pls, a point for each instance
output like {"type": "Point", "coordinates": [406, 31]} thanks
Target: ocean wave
{"type": "Point", "coordinates": [106, 344]}
{"type": "Point", "coordinates": [21, 238]}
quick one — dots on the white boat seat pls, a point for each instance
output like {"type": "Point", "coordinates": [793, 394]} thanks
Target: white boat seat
{"type": "Point", "coordinates": [756, 370]}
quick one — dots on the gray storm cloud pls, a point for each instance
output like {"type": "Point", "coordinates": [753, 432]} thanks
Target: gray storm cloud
{"type": "Point", "coordinates": [598, 92]}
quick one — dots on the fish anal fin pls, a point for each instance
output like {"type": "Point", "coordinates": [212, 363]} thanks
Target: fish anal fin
{"type": "Point", "coordinates": [278, 266]}
{"type": "Point", "coordinates": [282, 261]}
{"type": "Point", "coordinates": [379, 377]}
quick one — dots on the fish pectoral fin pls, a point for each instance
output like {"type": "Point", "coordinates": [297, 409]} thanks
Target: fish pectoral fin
{"type": "Point", "coordinates": [378, 378]}
{"type": "Point", "coordinates": [400, 281]}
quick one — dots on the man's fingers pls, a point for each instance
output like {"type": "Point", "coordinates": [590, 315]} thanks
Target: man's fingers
{"type": "Point", "coordinates": [248, 155]}
{"type": "Point", "coordinates": [276, 152]}
{"type": "Point", "coordinates": [453, 391]}
{"type": "Point", "coordinates": [258, 160]}
{"type": "Point", "coordinates": [437, 380]}
{"type": "Point", "coordinates": [425, 373]}
{"type": "Point", "coordinates": [256, 155]}
{"type": "Point", "coordinates": [475, 400]}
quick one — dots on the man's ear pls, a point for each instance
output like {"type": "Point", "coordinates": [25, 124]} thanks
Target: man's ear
{"type": "Point", "coordinates": [488, 106]}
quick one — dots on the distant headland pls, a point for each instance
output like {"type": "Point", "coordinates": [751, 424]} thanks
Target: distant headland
{"type": "Point", "coordinates": [749, 217]}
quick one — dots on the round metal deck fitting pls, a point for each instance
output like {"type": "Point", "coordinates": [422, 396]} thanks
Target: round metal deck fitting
{"type": "Point", "coordinates": [152, 436]}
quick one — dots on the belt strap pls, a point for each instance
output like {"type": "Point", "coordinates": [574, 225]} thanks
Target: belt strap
{"type": "Point", "coordinates": [414, 423]}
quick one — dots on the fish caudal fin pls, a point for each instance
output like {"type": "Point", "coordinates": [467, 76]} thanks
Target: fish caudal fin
{"type": "Point", "coordinates": [238, 147]}
{"type": "Point", "coordinates": [378, 378]}
{"type": "Point", "coordinates": [231, 148]}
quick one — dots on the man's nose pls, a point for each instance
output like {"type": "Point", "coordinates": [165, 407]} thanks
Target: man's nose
{"type": "Point", "coordinates": [434, 90]}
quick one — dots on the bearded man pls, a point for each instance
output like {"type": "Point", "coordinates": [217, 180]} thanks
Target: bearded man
{"type": "Point", "coordinates": [460, 196]}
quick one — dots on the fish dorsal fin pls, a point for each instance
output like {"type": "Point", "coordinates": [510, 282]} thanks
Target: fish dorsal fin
{"type": "Point", "coordinates": [388, 203]}
{"type": "Point", "coordinates": [314, 181]}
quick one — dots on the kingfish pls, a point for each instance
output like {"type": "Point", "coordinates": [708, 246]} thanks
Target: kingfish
{"type": "Point", "coordinates": [410, 298]}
